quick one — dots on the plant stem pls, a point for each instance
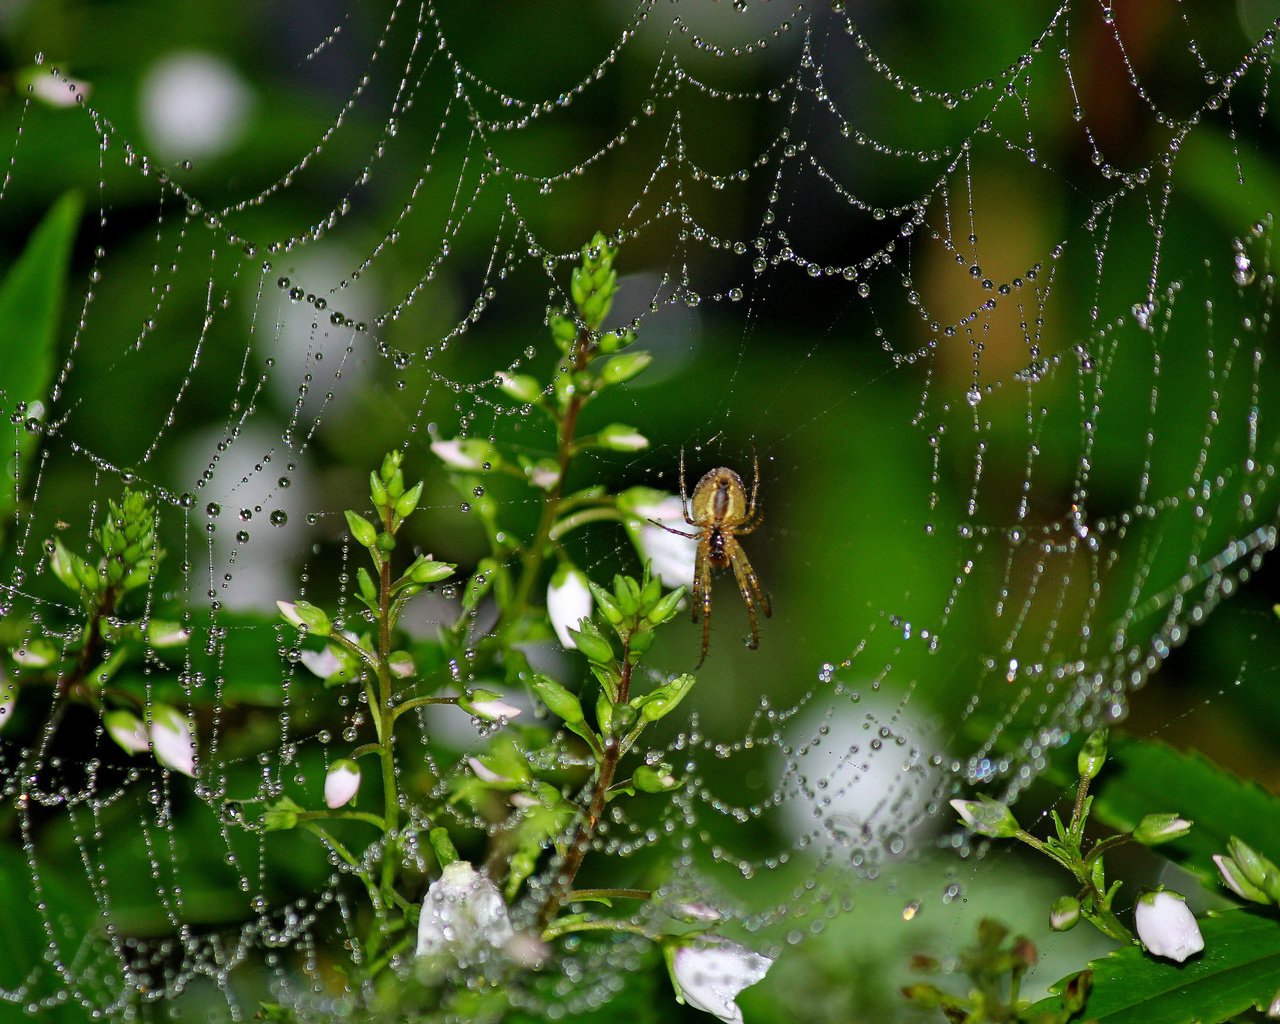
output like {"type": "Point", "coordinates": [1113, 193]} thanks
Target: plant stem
{"type": "Point", "coordinates": [384, 716]}
{"type": "Point", "coordinates": [587, 825]}
{"type": "Point", "coordinates": [566, 425]}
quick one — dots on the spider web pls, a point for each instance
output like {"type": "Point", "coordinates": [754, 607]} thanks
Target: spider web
{"type": "Point", "coordinates": [994, 316]}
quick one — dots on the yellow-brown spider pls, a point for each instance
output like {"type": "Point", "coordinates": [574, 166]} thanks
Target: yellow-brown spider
{"type": "Point", "coordinates": [721, 513]}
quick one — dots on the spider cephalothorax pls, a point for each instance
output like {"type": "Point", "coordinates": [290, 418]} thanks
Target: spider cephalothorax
{"type": "Point", "coordinates": [720, 512]}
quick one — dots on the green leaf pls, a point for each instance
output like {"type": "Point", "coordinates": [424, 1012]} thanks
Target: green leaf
{"type": "Point", "coordinates": [1239, 969]}
{"type": "Point", "coordinates": [30, 301]}
{"type": "Point", "coordinates": [1143, 777]}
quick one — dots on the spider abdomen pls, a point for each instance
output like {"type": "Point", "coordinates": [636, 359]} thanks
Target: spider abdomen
{"type": "Point", "coordinates": [716, 548]}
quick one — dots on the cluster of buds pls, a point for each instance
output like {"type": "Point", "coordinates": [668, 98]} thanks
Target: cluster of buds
{"type": "Point", "coordinates": [1165, 925]}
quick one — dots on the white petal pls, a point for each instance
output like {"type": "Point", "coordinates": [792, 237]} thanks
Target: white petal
{"type": "Point", "coordinates": [672, 555]}
{"type": "Point", "coordinates": [463, 916]}
{"type": "Point", "coordinates": [171, 739]}
{"type": "Point", "coordinates": [451, 453]}
{"type": "Point", "coordinates": [127, 729]}
{"type": "Point", "coordinates": [322, 663]}
{"type": "Point", "coordinates": [568, 603]}
{"type": "Point", "coordinates": [6, 711]}
{"type": "Point", "coordinates": [494, 709]}
{"type": "Point", "coordinates": [1166, 925]}
{"type": "Point", "coordinates": [711, 977]}
{"type": "Point", "coordinates": [483, 772]}
{"type": "Point", "coordinates": [341, 784]}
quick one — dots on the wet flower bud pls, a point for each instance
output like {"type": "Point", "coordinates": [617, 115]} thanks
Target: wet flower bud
{"type": "Point", "coordinates": [568, 602]}
{"type": "Point", "coordinates": [1166, 925]}
{"type": "Point", "coordinates": [1160, 828]}
{"type": "Point", "coordinates": [1092, 755]}
{"type": "Point", "coordinates": [127, 730]}
{"type": "Point", "coordinates": [1064, 913]}
{"type": "Point", "coordinates": [987, 817]}
{"type": "Point", "coordinates": [341, 784]}
{"type": "Point", "coordinates": [463, 917]}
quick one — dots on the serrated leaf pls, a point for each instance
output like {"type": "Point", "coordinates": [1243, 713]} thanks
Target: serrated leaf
{"type": "Point", "coordinates": [1142, 777]}
{"type": "Point", "coordinates": [1239, 969]}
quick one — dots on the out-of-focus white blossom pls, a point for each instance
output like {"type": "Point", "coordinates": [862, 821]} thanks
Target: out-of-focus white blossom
{"type": "Point", "coordinates": [172, 740]}
{"type": "Point", "coordinates": [463, 917]}
{"type": "Point", "coordinates": [568, 602]}
{"type": "Point", "coordinates": [1166, 925]}
{"type": "Point", "coordinates": [672, 555]}
{"type": "Point", "coordinates": [194, 105]}
{"type": "Point", "coordinates": [710, 976]}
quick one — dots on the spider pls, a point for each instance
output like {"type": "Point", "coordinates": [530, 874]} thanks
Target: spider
{"type": "Point", "coordinates": [721, 513]}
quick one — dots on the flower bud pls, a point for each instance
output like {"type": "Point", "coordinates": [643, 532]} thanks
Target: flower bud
{"type": "Point", "coordinates": [1166, 925]}
{"type": "Point", "coordinates": [407, 502]}
{"type": "Point", "coordinates": [304, 614]}
{"type": "Point", "coordinates": [1160, 828]}
{"type": "Point", "coordinates": [1064, 913]}
{"type": "Point", "coordinates": [1235, 880]}
{"type": "Point", "coordinates": [521, 387]}
{"type": "Point", "coordinates": [987, 817]}
{"type": "Point", "coordinates": [161, 634]}
{"type": "Point", "coordinates": [568, 602]}
{"type": "Point", "coordinates": [341, 784]}
{"type": "Point", "coordinates": [662, 701]}
{"type": "Point", "coordinates": [425, 570]}
{"type": "Point", "coordinates": [487, 705]}
{"type": "Point", "coordinates": [619, 437]}
{"type": "Point", "coordinates": [559, 701]}
{"type": "Point", "coordinates": [364, 532]}
{"type": "Point", "coordinates": [623, 368]}
{"type": "Point", "coordinates": [589, 640]}
{"type": "Point", "coordinates": [1255, 867]}
{"type": "Point", "coordinates": [1092, 755]}
{"type": "Point", "coordinates": [463, 917]}
{"type": "Point", "coordinates": [654, 778]}
{"type": "Point", "coordinates": [127, 730]}
{"type": "Point", "coordinates": [38, 653]}
{"type": "Point", "coordinates": [468, 454]}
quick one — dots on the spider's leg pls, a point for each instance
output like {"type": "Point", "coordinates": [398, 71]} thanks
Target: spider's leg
{"type": "Point", "coordinates": [755, 482]}
{"type": "Point", "coordinates": [749, 582]}
{"type": "Point", "coordinates": [749, 524]}
{"type": "Point", "coordinates": [672, 529]}
{"type": "Point", "coordinates": [702, 597]}
{"type": "Point", "coordinates": [684, 492]}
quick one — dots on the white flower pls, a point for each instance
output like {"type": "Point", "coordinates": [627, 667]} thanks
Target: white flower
{"type": "Point", "coordinates": [323, 663]}
{"type": "Point", "coordinates": [464, 453]}
{"type": "Point", "coordinates": [341, 784]}
{"type": "Point", "coordinates": [672, 556]}
{"type": "Point", "coordinates": [171, 739]}
{"type": "Point", "coordinates": [1166, 925]}
{"type": "Point", "coordinates": [568, 602]}
{"type": "Point", "coordinates": [126, 729]}
{"type": "Point", "coordinates": [463, 916]}
{"type": "Point", "coordinates": [710, 977]}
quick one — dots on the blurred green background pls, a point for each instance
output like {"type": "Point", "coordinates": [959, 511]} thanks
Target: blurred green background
{"type": "Point", "coordinates": [932, 587]}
